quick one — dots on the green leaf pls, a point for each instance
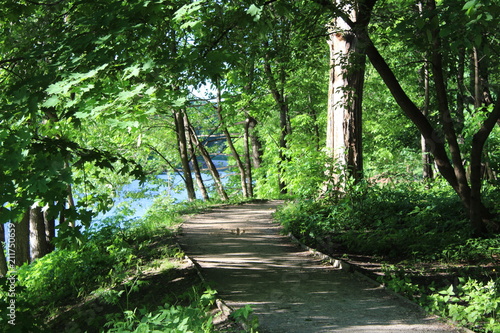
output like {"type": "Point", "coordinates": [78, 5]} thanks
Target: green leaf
{"type": "Point", "coordinates": [469, 5]}
{"type": "Point", "coordinates": [179, 102]}
{"type": "Point", "coordinates": [187, 10]}
{"type": "Point", "coordinates": [255, 11]}
{"type": "Point", "coordinates": [51, 102]}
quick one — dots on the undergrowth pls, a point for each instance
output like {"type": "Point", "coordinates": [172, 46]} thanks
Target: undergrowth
{"type": "Point", "coordinates": [423, 232]}
{"type": "Point", "coordinates": [102, 270]}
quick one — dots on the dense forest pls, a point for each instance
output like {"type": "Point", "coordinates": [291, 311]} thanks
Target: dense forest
{"type": "Point", "coordinates": [378, 121]}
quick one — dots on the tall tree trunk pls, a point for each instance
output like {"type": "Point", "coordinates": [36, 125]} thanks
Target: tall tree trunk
{"type": "Point", "coordinates": [3, 259]}
{"type": "Point", "coordinates": [194, 162]}
{"type": "Point", "coordinates": [22, 240]}
{"type": "Point", "coordinates": [183, 153]}
{"type": "Point", "coordinates": [280, 99]}
{"type": "Point", "coordinates": [248, 163]}
{"type": "Point", "coordinates": [38, 240]}
{"type": "Point", "coordinates": [210, 164]}
{"type": "Point", "coordinates": [427, 162]}
{"type": "Point", "coordinates": [347, 61]}
{"type": "Point", "coordinates": [50, 231]}
{"type": "Point", "coordinates": [229, 141]}
{"type": "Point", "coordinates": [461, 93]}
{"type": "Point", "coordinates": [256, 144]}
{"type": "Point", "coordinates": [71, 205]}
{"type": "Point", "coordinates": [482, 98]}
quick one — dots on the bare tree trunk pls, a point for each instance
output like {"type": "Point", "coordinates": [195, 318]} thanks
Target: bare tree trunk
{"type": "Point", "coordinates": [210, 165]}
{"type": "Point", "coordinates": [427, 162]}
{"type": "Point", "coordinates": [347, 61]}
{"type": "Point", "coordinates": [194, 161]}
{"type": "Point", "coordinates": [280, 99]}
{"type": "Point", "coordinates": [38, 240]}
{"type": "Point", "coordinates": [22, 240]}
{"type": "Point", "coordinates": [3, 260]}
{"type": "Point", "coordinates": [183, 153]}
{"type": "Point", "coordinates": [248, 162]}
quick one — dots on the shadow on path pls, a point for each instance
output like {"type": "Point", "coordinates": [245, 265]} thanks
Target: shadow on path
{"type": "Point", "coordinates": [244, 257]}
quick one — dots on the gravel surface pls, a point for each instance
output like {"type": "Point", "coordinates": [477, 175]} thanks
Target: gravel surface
{"type": "Point", "coordinates": [245, 258]}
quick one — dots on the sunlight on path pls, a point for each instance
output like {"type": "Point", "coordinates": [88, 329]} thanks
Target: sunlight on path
{"type": "Point", "coordinates": [244, 257]}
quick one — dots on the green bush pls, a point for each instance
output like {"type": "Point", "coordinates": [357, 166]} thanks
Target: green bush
{"type": "Point", "coordinates": [401, 220]}
{"type": "Point", "coordinates": [193, 318]}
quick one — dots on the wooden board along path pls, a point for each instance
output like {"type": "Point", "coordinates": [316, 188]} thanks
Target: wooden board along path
{"type": "Point", "coordinates": [245, 258]}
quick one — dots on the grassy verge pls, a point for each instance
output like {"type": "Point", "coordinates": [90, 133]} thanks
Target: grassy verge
{"type": "Point", "coordinates": [413, 239]}
{"type": "Point", "coordinates": [121, 276]}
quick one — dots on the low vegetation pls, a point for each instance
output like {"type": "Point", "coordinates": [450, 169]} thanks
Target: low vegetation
{"type": "Point", "coordinates": [415, 239]}
{"type": "Point", "coordinates": [121, 275]}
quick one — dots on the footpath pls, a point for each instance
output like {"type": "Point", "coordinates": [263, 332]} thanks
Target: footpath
{"type": "Point", "coordinates": [245, 258]}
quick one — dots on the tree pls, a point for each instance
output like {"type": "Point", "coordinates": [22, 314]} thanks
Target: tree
{"type": "Point", "coordinates": [452, 170]}
{"type": "Point", "coordinates": [345, 94]}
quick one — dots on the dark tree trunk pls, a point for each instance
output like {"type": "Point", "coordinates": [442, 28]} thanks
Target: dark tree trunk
{"type": "Point", "coordinates": [248, 163]}
{"type": "Point", "coordinates": [427, 161]}
{"type": "Point", "coordinates": [50, 231]}
{"type": "Point", "coordinates": [38, 238]}
{"type": "Point", "coordinates": [22, 240]}
{"type": "Point", "coordinates": [183, 153]}
{"type": "Point", "coordinates": [194, 162]}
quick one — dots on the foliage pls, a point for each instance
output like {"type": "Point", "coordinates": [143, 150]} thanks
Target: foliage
{"type": "Point", "coordinates": [414, 221]}
{"type": "Point", "coordinates": [107, 265]}
{"type": "Point", "coordinates": [168, 318]}
{"type": "Point", "coordinates": [245, 317]}
{"type": "Point", "coordinates": [470, 302]}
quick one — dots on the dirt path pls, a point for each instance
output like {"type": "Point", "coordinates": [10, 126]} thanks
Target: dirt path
{"type": "Point", "coordinates": [242, 253]}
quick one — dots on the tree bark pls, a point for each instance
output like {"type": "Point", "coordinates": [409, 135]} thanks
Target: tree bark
{"type": "Point", "coordinates": [256, 144]}
{"type": "Point", "coordinates": [38, 238]}
{"type": "Point", "coordinates": [345, 94]}
{"type": "Point", "coordinates": [479, 215]}
{"type": "Point", "coordinates": [248, 163]}
{"type": "Point", "coordinates": [427, 162]}
{"type": "Point", "coordinates": [194, 162]}
{"type": "Point", "coordinates": [183, 153]}
{"type": "Point", "coordinates": [50, 231]}
{"type": "Point", "coordinates": [22, 240]}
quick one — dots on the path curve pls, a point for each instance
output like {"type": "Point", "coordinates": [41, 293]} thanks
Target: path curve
{"type": "Point", "coordinates": [242, 254]}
